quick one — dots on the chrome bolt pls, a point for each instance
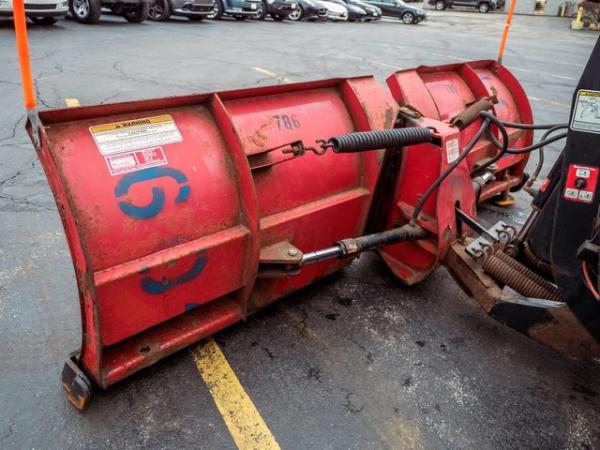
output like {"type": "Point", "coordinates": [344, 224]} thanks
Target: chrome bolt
{"type": "Point", "coordinates": [292, 252]}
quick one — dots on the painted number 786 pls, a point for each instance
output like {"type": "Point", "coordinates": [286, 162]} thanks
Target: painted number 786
{"type": "Point", "coordinates": [288, 122]}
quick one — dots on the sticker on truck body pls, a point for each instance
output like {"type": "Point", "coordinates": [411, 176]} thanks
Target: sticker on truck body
{"type": "Point", "coordinates": [587, 112]}
{"type": "Point", "coordinates": [452, 150]}
{"type": "Point", "coordinates": [136, 160]}
{"type": "Point", "coordinates": [129, 135]}
{"type": "Point", "coordinates": [581, 183]}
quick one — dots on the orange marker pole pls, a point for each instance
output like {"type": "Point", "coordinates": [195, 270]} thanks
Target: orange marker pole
{"type": "Point", "coordinates": [509, 17]}
{"type": "Point", "coordinates": [23, 51]}
{"type": "Point", "coordinates": [26, 78]}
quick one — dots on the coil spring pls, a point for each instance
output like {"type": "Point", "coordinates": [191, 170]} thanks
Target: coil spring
{"type": "Point", "coordinates": [533, 259]}
{"type": "Point", "coordinates": [518, 277]}
{"type": "Point", "coordinates": [373, 140]}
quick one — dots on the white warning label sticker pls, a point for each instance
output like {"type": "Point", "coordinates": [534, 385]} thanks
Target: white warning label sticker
{"type": "Point", "coordinates": [119, 137]}
{"type": "Point", "coordinates": [587, 112]}
{"type": "Point", "coordinates": [452, 150]}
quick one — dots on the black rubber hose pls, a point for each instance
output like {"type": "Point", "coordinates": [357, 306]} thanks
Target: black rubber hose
{"type": "Point", "coordinates": [540, 144]}
{"type": "Point", "coordinates": [516, 151]}
{"type": "Point", "coordinates": [449, 169]}
{"type": "Point", "coordinates": [540, 163]}
{"type": "Point", "coordinates": [533, 126]}
{"type": "Point", "coordinates": [374, 140]}
{"type": "Point", "coordinates": [530, 148]}
{"type": "Point", "coordinates": [503, 147]}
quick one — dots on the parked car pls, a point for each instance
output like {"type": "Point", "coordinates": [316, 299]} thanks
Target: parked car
{"type": "Point", "coordinates": [192, 9]}
{"type": "Point", "coordinates": [483, 6]}
{"type": "Point", "coordinates": [335, 12]}
{"type": "Point", "coordinates": [41, 12]}
{"type": "Point", "coordinates": [240, 9]}
{"type": "Point", "coordinates": [397, 8]}
{"type": "Point", "coordinates": [373, 12]}
{"type": "Point", "coordinates": [354, 12]}
{"type": "Point", "coordinates": [89, 11]}
{"type": "Point", "coordinates": [309, 9]}
{"type": "Point", "coordinates": [278, 9]}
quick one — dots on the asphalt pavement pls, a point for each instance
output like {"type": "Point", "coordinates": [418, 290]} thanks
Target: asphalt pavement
{"type": "Point", "coordinates": [355, 361]}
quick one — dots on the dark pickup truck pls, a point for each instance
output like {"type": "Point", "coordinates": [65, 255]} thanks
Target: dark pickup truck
{"type": "Point", "coordinates": [483, 6]}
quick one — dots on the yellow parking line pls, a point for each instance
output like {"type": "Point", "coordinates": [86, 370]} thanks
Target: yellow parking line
{"type": "Point", "coordinates": [245, 424]}
{"type": "Point", "coordinates": [272, 74]}
{"type": "Point", "coordinates": [71, 102]}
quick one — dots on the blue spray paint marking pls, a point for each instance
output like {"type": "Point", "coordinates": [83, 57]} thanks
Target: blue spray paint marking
{"type": "Point", "coordinates": [158, 194]}
{"type": "Point", "coordinates": [150, 210]}
{"type": "Point", "coordinates": [152, 286]}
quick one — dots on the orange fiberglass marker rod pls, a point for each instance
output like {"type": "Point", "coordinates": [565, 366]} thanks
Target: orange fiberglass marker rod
{"type": "Point", "coordinates": [26, 78]}
{"type": "Point", "coordinates": [509, 17]}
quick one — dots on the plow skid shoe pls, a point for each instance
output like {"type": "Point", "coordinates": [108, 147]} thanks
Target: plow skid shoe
{"type": "Point", "coordinates": [172, 206]}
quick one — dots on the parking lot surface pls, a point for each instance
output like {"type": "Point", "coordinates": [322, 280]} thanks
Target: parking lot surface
{"type": "Point", "coordinates": [355, 361]}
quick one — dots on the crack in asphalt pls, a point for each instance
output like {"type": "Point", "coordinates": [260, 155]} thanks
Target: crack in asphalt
{"type": "Point", "coordinates": [30, 206]}
{"type": "Point", "coordinates": [13, 132]}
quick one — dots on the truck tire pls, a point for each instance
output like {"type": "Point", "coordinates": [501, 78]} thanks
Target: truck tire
{"type": "Point", "coordinates": [484, 7]}
{"type": "Point", "coordinates": [139, 14]}
{"type": "Point", "coordinates": [217, 12]}
{"type": "Point", "coordinates": [85, 11]}
{"type": "Point", "coordinates": [440, 5]}
{"type": "Point", "coordinates": [43, 20]}
{"type": "Point", "coordinates": [160, 10]}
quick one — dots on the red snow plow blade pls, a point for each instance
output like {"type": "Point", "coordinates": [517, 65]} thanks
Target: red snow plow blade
{"type": "Point", "coordinates": [184, 215]}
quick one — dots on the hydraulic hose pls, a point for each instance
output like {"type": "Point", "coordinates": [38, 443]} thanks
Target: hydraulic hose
{"type": "Point", "coordinates": [533, 126]}
{"type": "Point", "coordinates": [374, 140]}
{"type": "Point", "coordinates": [449, 169]}
{"type": "Point", "coordinates": [518, 151]}
{"type": "Point", "coordinates": [503, 147]}
{"type": "Point", "coordinates": [540, 163]}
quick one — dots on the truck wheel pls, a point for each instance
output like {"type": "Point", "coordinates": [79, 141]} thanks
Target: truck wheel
{"type": "Point", "coordinates": [296, 14]}
{"type": "Point", "coordinates": [408, 18]}
{"type": "Point", "coordinates": [484, 7]}
{"type": "Point", "coordinates": [278, 17]}
{"type": "Point", "coordinates": [216, 12]}
{"type": "Point", "coordinates": [160, 10]}
{"type": "Point", "coordinates": [440, 5]}
{"type": "Point", "coordinates": [262, 11]}
{"type": "Point", "coordinates": [139, 14]}
{"type": "Point", "coordinates": [43, 20]}
{"type": "Point", "coordinates": [85, 11]}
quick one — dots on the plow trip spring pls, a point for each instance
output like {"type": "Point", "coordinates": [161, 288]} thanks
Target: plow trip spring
{"type": "Point", "coordinates": [184, 215]}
